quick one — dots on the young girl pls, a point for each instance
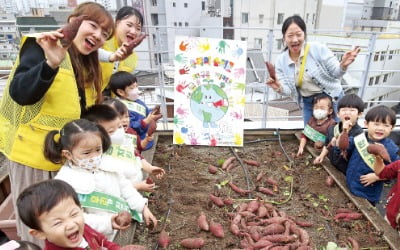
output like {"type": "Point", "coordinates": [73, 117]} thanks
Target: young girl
{"type": "Point", "coordinates": [80, 144]}
{"type": "Point", "coordinates": [317, 127]}
{"type": "Point", "coordinates": [48, 87]}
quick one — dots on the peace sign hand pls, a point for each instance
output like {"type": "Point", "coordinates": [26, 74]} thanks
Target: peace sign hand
{"type": "Point", "coordinates": [349, 57]}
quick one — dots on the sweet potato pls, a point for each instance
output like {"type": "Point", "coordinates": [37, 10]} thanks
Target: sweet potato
{"type": "Point", "coordinates": [301, 223]}
{"type": "Point", "coordinates": [343, 142]}
{"type": "Point", "coordinates": [273, 229]}
{"type": "Point", "coordinates": [344, 210]}
{"type": "Point", "coordinates": [70, 30]}
{"type": "Point", "coordinates": [123, 219]}
{"type": "Point", "coordinates": [271, 181]}
{"type": "Point", "coordinates": [329, 181]}
{"type": "Point", "coordinates": [151, 128]}
{"type": "Point", "coordinates": [265, 190]}
{"type": "Point", "coordinates": [254, 233]}
{"type": "Point", "coordinates": [164, 239]}
{"type": "Point", "coordinates": [202, 222]}
{"type": "Point", "coordinates": [236, 219]}
{"type": "Point", "coordinates": [262, 211]}
{"type": "Point", "coordinates": [217, 230]}
{"type": "Point", "coordinates": [380, 150]}
{"type": "Point", "coordinates": [212, 169]}
{"type": "Point", "coordinates": [347, 216]}
{"type": "Point", "coordinates": [252, 162]}
{"type": "Point", "coordinates": [280, 238]}
{"type": "Point", "coordinates": [253, 206]}
{"type": "Point", "coordinates": [235, 229]}
{"type": "Point", "coordinates": [156, 110]}
{"type": "Point", "coordinates": [271, 70]}
{"type": "Point", "coordinates": [149, 180]}
{"type": "Point", "coordinates": [238, 190]}
{"type": "Point", "coordinates": [262, 243]}
{"type": "Point", "coordinates": [133, 247]}
{"type": "Point", "coordinates": [216, 200]}
{"type": "Point", "coordinates": [259, 176]}
{"type": "Point", "coordinates": [192, 243]}
{"type": "Point", "coordinates": [134, 43]}
{"type": "Point", "coordinates": [227, 162]}
{"type": "Point", "coordinates": [354, 243]}
{"type": "Point", "coordinates": [228, 201]}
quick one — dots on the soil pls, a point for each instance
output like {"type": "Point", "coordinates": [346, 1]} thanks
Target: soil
{"type": "Point", "coordinates": [301, 193]}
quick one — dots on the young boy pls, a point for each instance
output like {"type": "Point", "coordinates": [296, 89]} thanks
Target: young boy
{"type": "Point", "coordinates": [317, 127]}
{"type": "Point", "coordinates": [52, 211]}
{"type": "Point", "coordinates": [122, 152]}
{"type": "Point", "coordinates": [360, 176]}
{"type": "Point", "coordinates": [350, 108]}
{"type": "Point", "coordinates": [124, 86]}
{"type": "Point", "coordinates": [391, 171]}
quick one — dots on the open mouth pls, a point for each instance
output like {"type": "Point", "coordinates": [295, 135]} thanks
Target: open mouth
{"type": "Point", "coordinates": [74, 237]}
{"type": "Point", "coordinates": [347, 118]}
{"type": "Point", "coordinates": [89, 44]}
{"type": "Point", "coordinates": [130, 38]}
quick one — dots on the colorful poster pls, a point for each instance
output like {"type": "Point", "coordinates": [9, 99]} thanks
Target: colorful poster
{"type": "Point", "coordinates": [209, 91]}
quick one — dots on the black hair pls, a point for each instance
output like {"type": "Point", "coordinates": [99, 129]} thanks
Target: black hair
{"type": "Point", "coordinates": [293, 19]}
{"type": "Point", "coordinates": [100, 113]}
{"type": "Point", "coordinates": [322, 96]}
{"type": "Point", "coordinates": [128, 11]}
{"type": "Point", "coordinates": [69, 136]}
{"type": "Point", "coordinates": [351, 101]}
{"type": "Point", "coordinates": [121, 80]}
{"type": "Point", "coordinates": [41, 197]}
{"type": "Point", "coordinates": [381, 113]}
{"type": "Point", "coordinates": [119, 106]}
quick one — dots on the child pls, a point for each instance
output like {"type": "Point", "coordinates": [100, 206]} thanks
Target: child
{"type": "Point", "coordinates": [123, 113]}
{"type": "Point", "coordinates": [360, 176]}
{"type": "Point", "coordinates": [127, 163]}
{"type": "Point", "coordinates": [317, 127]}
{"type": "Point", "coordinates": [350, 108]}
{"type": "Point", "coordinates": [124, 86]}
{"type": "Point", "coordinates": [391, 171]}
{"type": "Point", "coordinates": [52, 211]}
{"type": "Point", "coordinates": [81, 144]}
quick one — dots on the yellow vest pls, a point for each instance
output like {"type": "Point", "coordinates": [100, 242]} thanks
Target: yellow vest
{"type": "Point", "coordinates": [24, 128]}
{"type": "Point", "coordinates": [129, 64]}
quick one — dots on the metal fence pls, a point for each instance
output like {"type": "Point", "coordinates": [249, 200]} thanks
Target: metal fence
{"type": "Point", "coordinates": [259, 98]}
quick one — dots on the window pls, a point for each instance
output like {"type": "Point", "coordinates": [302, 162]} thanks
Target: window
{"type": "Point", "coordinates": [243, 39]}
{"type": "Point", "coordinates": [279, 44]}
{"type": "Point", "coordinates": [391, 54]}
{"type": "Point", "coordinates": [175, 24]}
{"type": "Point", "coordinates": [376, 57]}
{"type": "Point", "coordinates": [280, 18]}
{"type": "Point", "coordinates": [385, 77]}
{"type": "Point", "coordinates": [313, 18]}
{"type": "Point", "coordinates": [203, 5]}
{"type": "Point", "coordinates": [245, 17]}
{"type": "Point", "coordinates": [377, 80]}
{"type": "Point", "coordinates": [185, 5]}
{"type": "Point", "coordinates": [383, 55]}
{"type": "Point", "coordinates": [260, 18]}
{"type": "Point", "coordinates": [371, 81]}
{"type": "Point", "coordinates": [154, 2]}
{"type": "Point", "coordinates": [173, 4]}
{"type": "Point", "coordinates": [180, 24]}
{"type": "Point", "coordinates": [154, 19]}
{"type": "Point", "coordinates": [307, 17]}
{"type": "Point", "coordinates": [258, 43]}
{"type": "Point", "coordinates": [157, 58]}
{"type": "Point", "coordinates": [186, 24]}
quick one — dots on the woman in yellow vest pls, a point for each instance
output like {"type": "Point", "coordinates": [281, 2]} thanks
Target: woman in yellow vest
{"type": "Point", "coordinates": [49, 85]}
{"type": "Point", "coordinates": [115, 56]}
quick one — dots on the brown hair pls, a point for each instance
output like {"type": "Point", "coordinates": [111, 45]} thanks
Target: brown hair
{"type": "Point", "coordinates": [90, 63]}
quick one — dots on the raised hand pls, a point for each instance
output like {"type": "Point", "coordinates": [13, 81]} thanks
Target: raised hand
{"type": "Point", "coordinates": [349, 57]}
{"type": "Point", "coordinates": [53, 52]}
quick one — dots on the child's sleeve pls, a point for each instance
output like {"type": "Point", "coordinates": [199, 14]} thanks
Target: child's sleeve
{"type": "Point", "coordinates": [99, 222]}
{"type": "Point", "coordinates": [390, 171]}
{"type": "Point", "coordinates": [135, 200]}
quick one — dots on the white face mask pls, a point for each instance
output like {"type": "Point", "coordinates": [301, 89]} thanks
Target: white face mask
{"type": "Point", "coordinates": [118, 136]}
{"type": "Point", "coordinates": [88, 163]}
{"type": "Point", "coordinates": [133, 94]}
{"type": "Point", "coordinates": [320, 114]}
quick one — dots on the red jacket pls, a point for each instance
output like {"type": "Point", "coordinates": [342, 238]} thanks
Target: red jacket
{"type": "Point", "coordinates": [96, 241]}
{"type": "Point", "coordinates": [392, 171]}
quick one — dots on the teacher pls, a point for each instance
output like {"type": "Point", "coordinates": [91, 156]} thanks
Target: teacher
{"type": "Point", "coordinates": [306, 69]}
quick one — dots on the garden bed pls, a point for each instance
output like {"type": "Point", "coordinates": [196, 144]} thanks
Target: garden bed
{"type": "Point", "coordinates": [301, 193]}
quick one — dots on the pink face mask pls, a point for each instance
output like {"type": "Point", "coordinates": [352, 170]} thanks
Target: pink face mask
{"type": "Point", "coordinates": [133, 94]}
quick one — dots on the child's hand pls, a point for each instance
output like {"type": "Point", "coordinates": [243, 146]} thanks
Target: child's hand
{"type": "Point", "coordinates": [149, 218]}
{"type": "Point", "coordinates": [115, 225]}
{"type": "Point", "coordinates": [368, 179]}
{"type": "Point", "coordinates": [157, 172]}
{"type": "Point", "coordinates": [333, 142]}
{"type": "Point", "coordinates": [145, 187]}
{"type": "Point", "coordinates": [300, 152]}
{"type": "Point", "coordinates": [347, 125]}
{"type": "Point", "coordinates": [318, 160]}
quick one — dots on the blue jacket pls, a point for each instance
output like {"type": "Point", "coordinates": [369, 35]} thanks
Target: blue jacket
{"type": "Point", "coordinates": [358, 167]}
{"type": "Point", "coordinates": [136, 122]}
{"type": "Point", "coordinates": [321, 65]}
